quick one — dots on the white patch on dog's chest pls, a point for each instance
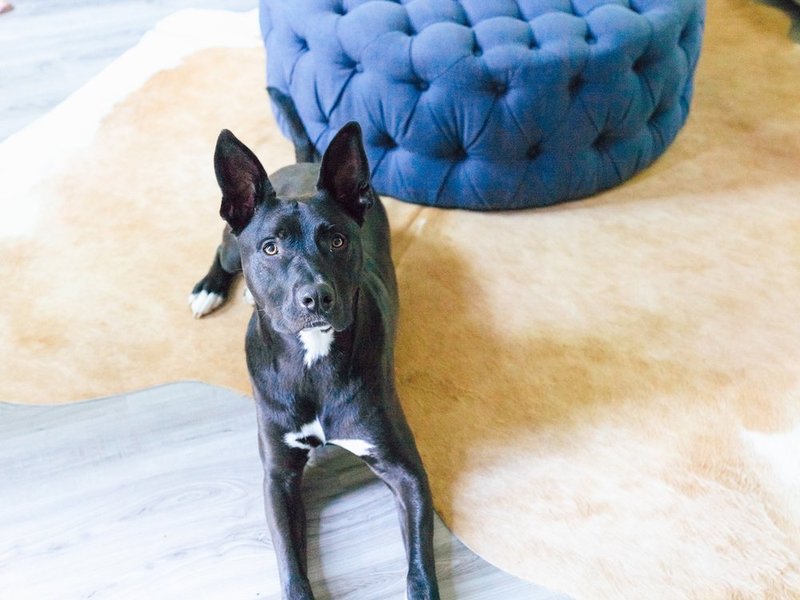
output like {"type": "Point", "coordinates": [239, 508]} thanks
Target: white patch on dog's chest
{"type": "Point", "coordinates": [357, 447]}
{"type": "Point", "coordinates": [316, 343]}
{"type": "Point", "coordinates": [311, 435]}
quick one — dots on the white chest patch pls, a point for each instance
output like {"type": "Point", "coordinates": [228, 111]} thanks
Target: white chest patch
{"type": "Point", "coordinates": [309, 437]}
{"type": "Point", "coordinates": [357, 447]}
{"type": "Point", "coordinates": [316, 342]}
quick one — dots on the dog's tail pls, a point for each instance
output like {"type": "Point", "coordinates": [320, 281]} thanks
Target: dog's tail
{"type": "Point", "coordinates": [283, 107]}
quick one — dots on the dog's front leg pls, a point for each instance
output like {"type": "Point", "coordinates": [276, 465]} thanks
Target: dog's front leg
{"type": "Point", "coordinates": [400, 467]}
{"type": "Point", "coordinates": [283, 503]}
{"type": "Point", "coordinates": [287, 525]}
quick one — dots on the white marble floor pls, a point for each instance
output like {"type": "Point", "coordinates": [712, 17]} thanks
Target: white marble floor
{"type": "Point", "coordinates": [49, 48]}
{"type": "Point", "coordinates": [157, 494]}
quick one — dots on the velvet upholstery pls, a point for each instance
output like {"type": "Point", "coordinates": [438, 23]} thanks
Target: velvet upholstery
{"type": "Point", "coordinates": [489, 104]}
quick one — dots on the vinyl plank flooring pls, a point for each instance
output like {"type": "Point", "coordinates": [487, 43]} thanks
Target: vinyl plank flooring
{"type": "Point", "coordinates": [157, 494]}
{"type": "Point", "coordinates": [49, 48]}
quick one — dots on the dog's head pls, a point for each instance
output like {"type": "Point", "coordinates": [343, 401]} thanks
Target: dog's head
{"type": "Point", "coordinates": [302, 256]}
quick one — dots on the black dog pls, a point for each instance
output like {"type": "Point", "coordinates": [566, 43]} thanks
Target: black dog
{"type": "Point", "coordinates": [314, 248]}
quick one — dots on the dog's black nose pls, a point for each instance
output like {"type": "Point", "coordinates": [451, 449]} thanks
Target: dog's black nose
{"type": "Point", "coordinates": [318, 297]}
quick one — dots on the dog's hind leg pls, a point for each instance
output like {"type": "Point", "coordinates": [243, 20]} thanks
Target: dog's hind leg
{"type": "Point", "coordinates": [211, 291]}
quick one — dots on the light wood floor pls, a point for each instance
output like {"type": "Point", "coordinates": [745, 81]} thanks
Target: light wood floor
{"type": "Point", "coordinates": [157, 495]}
{"type": "Point", "coordinates": [49, 48]}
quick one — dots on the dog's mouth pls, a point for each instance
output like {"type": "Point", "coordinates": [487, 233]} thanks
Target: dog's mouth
{"type": "Point", "coordinates": [320, 324]}
{"type": "Point", "coordinates": [326, 323]}
{"type": "Point", "coordinates": [324, 326]}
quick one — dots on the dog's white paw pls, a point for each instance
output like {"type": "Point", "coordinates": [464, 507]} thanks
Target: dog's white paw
{"type": "Point", "coordinates": [204, 302]}
{"type": "Point", "coordinates": [248, 297]}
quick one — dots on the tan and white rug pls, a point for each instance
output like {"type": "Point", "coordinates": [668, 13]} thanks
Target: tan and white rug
{"type": "Point", "coordinates": [606, 393]}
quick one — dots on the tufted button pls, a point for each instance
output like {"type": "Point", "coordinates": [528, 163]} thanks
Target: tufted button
{"type": "Point", "coordinates": [602, 141]}
{"type": "Point", "coordinates": [658, 112]}
{"type": "Point", "coordinates": [477, 51]}
{"type": "Point", "coordinates": [460, 153]}
{"type": "Point", "coordinates": [500, 89]}
{"type": "Point", "coordinates": [422, 85]}
{"type": "Point", "coordinates": [590, 37]}
{"type": "Point", "coordinates": [575, 85]}
{"type": "Point", "coordinates": [533, 152]}
{"type": "Point", "coordinates": [359, 67]}
{"type": "Point", "coordinates": [639, 65]}
{"type": "Point", "coordinates": [384, 140]}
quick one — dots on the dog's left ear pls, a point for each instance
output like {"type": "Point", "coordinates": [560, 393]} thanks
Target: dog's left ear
{"type": "Point", "coordinates": [344, 173]}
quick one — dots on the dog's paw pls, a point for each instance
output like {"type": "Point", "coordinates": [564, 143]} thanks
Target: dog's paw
{"type": "Point", "coordinates": [211, 291]}
{"type": "Point", "coordinates": [208, 294]}
{"type": "Point", "coordinates": [204, 302]}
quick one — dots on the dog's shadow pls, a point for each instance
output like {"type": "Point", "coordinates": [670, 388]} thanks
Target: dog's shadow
{"type": "Point", "coordinates": [486, 377]}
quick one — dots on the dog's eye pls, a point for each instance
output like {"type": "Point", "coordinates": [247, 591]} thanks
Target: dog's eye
{"type": "Point", "coordinates": [338, 241]}
{"type": "Point", "coordinates": [270, 248]}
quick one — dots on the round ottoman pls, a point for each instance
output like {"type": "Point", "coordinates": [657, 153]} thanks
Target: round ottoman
{"type": "Point", "coordinates": [488, 104]}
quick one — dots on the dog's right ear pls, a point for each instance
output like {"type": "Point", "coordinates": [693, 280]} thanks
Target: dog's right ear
{"type": "Point", "coordinates": [242, 179]}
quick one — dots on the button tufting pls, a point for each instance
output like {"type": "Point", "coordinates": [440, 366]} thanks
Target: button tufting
{"type": "Point", "coordinates": [658, 112]}
{"type": "Point", "coordinates": [422, 85]}
{"type": "Point", "coordinates": [602, 141]}
{"type": "Point", "coordinates": [575, 84]}
{"type": "Point", "coordinates": [386, 141]}
{"type": "Point", "coordinates": [534, 152]}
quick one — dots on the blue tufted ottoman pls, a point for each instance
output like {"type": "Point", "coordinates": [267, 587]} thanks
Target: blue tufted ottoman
{"type": "Point", "coordinates": [488, 104]}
